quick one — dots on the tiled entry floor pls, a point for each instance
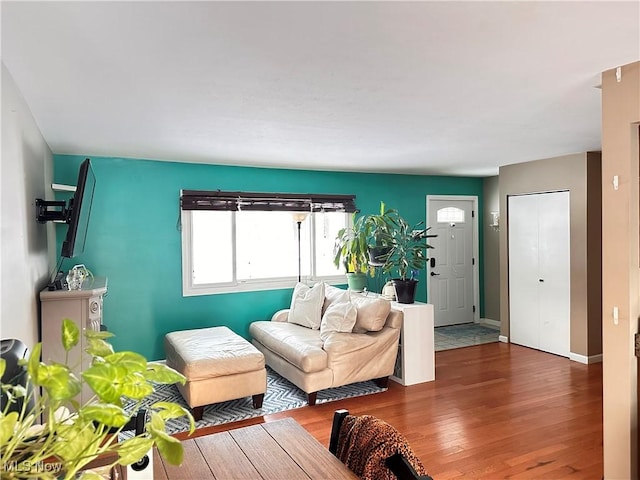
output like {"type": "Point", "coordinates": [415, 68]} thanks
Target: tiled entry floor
{"type": "Point", "coordinates": [465, 335]}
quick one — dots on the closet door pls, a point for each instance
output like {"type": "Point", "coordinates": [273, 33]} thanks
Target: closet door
{"type": "Point", "coordinates": [539, 295]}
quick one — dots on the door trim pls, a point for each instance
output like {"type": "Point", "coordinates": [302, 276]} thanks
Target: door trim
{"type": "Point", "coordinates": [475, 243]}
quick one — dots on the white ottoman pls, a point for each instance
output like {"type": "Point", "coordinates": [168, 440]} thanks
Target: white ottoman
{"type": "Point", "coordinates": [219, 366]}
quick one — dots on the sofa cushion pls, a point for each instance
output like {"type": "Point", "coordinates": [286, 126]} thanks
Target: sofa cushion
{"type": "Point", "coordinates": [339, 317]}
{"type": "Point", "coordinates": [298, 345]}
{"type": "Point", "coordinates": [306, 305]}
{"type": "Point", "coordinates": [372, 313]}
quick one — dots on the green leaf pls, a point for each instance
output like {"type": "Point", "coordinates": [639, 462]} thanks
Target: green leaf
{"type": "Point", "coordinates": [98, 347]}
{"type": "Point", "coordinates": [3, 366]}
{"type": "Point", "coordinates": [135, 386]}
{"type": "Point", "coordinates": [133, 362]}
{"type": "Point", "coordinates": [98, 334]}
{"type": "Point", "coordinates": [106, 380]}
{"type": "Point", "coordinates": [134, 449]}
{"type": "Point", "coordinates": [169, 447]}
{"type": "Point", "coordinates": [34, 362]}
{"type": "Point", "coordinates": [58, 381]}
{"type": "Point", "coordinates": [7, 426]}
{"type": "Point", "coordinates": [160, 373]}
{"type": "Point", "coordinates": [74, 441]}
{"type": "Point", "coordinates": [156, 424]}
{"type": "Point", "coordinates": [168, 410]}
{"type": "Point", "coordinates": [70, 334]}
{"type": "Point", "coordinates": [107, 414]}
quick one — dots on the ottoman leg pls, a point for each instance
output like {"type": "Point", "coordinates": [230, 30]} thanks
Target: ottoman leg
{"type": "Point", "coordinates": [197, 412]}
{"type": "Point", "coordinates": [257, 400]}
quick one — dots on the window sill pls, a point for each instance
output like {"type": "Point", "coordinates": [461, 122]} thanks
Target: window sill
{"type": "Point", "coordinates": [255, 286]}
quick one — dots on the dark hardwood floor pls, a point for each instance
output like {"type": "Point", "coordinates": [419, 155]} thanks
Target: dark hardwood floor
{"type": "Point", "coordinates": [494, 411]}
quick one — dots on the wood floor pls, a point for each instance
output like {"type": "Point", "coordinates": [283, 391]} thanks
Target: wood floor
{"type": "Point", "coordinates": [494, 411]}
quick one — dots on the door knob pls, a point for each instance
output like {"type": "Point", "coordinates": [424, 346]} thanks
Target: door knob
{"type": "Point", "coordinates": [433, 274]}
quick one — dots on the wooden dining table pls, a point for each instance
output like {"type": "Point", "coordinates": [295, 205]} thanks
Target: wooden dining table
{"type": "Point", "coordinates": [279, 450]}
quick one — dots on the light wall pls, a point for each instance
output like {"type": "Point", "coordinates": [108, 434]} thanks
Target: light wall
{"type": "Point", "coordinates": [621, 268]}
{"type": "Point", "coordinates": [491, 250]}
{"type": "Point", "coordinates": [24, 260]}
{"type": "Point", "coordinates": [134, 238]}
{"type": "Point", "coordinates": [580, 174]}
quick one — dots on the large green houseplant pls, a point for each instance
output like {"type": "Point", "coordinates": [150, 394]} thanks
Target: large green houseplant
{"type": "Point", "coordinates": [58, 437]}
{"type": "Point", "coordinates": [407, 254]}
{"type": "Point", "coordinates": [352, 252]}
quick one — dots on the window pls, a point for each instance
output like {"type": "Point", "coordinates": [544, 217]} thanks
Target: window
{"type": "Point", "coordinates": [450, 214]}
{"type": "Point", "coordinates": [234, 247]}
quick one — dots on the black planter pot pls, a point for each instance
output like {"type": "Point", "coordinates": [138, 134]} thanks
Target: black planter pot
{"type": "Point", "coordinates": [378, 255]}
{"type": "Point", "coordinates": [405, 290]}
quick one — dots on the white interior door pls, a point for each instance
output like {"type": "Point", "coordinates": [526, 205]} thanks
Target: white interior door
{"type": "Point", "coordinates": [539, 271]}
{"type": "Point", "coordinates": [452, 278]}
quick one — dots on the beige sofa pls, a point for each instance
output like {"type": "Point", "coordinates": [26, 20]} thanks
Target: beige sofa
{"type": "Point", "coordinates": [317, 358]}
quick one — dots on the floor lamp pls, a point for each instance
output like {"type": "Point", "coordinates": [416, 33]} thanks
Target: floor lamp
{"type": "Point", "coordinates": [299, 217]}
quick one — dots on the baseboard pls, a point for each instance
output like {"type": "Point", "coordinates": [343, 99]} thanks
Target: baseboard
{"type": "Point", "coordinates": [503, 339]}
{"type": "Point", "coordinates": [488, 321]}
{"type": "Point", "coordinates": [584, 359]}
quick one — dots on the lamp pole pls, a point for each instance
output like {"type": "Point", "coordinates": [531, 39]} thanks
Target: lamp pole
{"type": "Point", "coordinates": [299, 222]}
{"type": "Point", "coordinates": [299, 217]}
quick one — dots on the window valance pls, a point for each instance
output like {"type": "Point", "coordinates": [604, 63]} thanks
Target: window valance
{"type": "Point", "coordinates": [299, 202]}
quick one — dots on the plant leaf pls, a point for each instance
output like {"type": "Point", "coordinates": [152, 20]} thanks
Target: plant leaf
{"type": "Point", "coordinates": [3, 366]}
{"type": "Point", "coordinates": [133, 449]}
{"type": "Point", "coordinates": [132, 361]}
{"type": "Point", "coordinates": [76, 442]}
{"type": "Point", "coordinates": [169, 447]}
{"type": "Point", "coordinates": [105, 380]}
{"type": "Point", "coordinates": [168, 410]}
{"type": "Point", "coordinates": [58, 381]}
{"type": "Point", "coordinates": [7, 426]}
{"type": "Point", "coordinates": [98, 347]}
{"type": "Point", "coordinates": [98, 334]}
{"type": "Point", "coordinates": [107, 414]}
{"type": "Point", "coordinates": [34, 363]}
{"type": "Point", "coordinates": [135, 386]}
{"type": "Point", "coordinates": [70, 334]}
{"type": "Point", "coordinates": [161, 373]}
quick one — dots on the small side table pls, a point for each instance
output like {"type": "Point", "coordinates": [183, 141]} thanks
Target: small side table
{"type": "Point", "coordinates": [416, 352]}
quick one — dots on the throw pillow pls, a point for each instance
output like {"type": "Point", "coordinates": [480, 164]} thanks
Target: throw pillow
{"type": "Point", "coordinates": [332, 294]}
{"type": "Point", "coordinates": [372, 313]}
{"type": "Point", "coordinates": [339, 317]}
{"type": "Point", "coordinates": [306, 305]}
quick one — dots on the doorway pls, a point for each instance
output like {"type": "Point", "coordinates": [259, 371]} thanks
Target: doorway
{"type": "Point", "coordinates": [452, 272]}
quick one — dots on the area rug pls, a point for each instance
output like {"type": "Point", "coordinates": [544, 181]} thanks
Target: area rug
{"type": "Point", "coordinates": [465, 335]}
{"type": "Point", "coordinates": [281, 395]}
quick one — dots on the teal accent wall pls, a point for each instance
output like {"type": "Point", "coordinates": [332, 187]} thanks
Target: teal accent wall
{"type": "Point", "coordinates": [134, 240]}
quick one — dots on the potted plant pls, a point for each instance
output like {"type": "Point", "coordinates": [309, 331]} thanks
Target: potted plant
{"type": "Point", "coordinates": [351, 251]}
{"type": "Point", "coordinates": [378, 231]}
{"type": "Point", "coordinates": [54, 437]}
{"type": "Point", "coordinates": [407, 255]}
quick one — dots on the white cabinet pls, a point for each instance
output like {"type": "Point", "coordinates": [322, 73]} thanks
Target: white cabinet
{"type": "Point", "coordinates": [539, 271]}
{"type": "Point", "coordinates": [84, 307]}
{"type": "Point", "coordinates": [416, 352]}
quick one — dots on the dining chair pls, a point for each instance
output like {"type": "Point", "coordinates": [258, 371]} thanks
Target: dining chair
{"type": "Point", "coordinates": [373, 449]}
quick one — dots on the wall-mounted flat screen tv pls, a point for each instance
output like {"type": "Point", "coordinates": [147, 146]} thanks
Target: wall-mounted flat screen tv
{"type": "Point", "coordinates": [79, 211]}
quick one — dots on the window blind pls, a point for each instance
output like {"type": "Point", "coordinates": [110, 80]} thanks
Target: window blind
{"type": "Point", "coordinates": [298, 202]}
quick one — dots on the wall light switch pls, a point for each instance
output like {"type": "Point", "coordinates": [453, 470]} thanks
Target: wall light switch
{"type": "Point", "coordinates": [615, 315]}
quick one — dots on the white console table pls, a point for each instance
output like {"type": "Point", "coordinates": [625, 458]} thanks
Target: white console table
{"type": "Point", "coordinates": [84, 307]}
{"type": "Point", "coordinates": [416, 352]}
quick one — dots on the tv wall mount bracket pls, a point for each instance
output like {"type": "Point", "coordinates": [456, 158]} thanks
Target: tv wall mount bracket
{"type": "Point", "coordinates": [52, 211]}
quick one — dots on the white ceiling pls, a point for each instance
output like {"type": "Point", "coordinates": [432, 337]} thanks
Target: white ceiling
{"type": "Point", "coordinates": [408, 87]}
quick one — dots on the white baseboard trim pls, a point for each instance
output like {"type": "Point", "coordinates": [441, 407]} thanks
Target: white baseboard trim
{"type": "Point", "coordinates": [584, 359]}
{"type": "Point", "coordinates": [488, 321]}
{"type": "Point", "coordinates": [503, 339]}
